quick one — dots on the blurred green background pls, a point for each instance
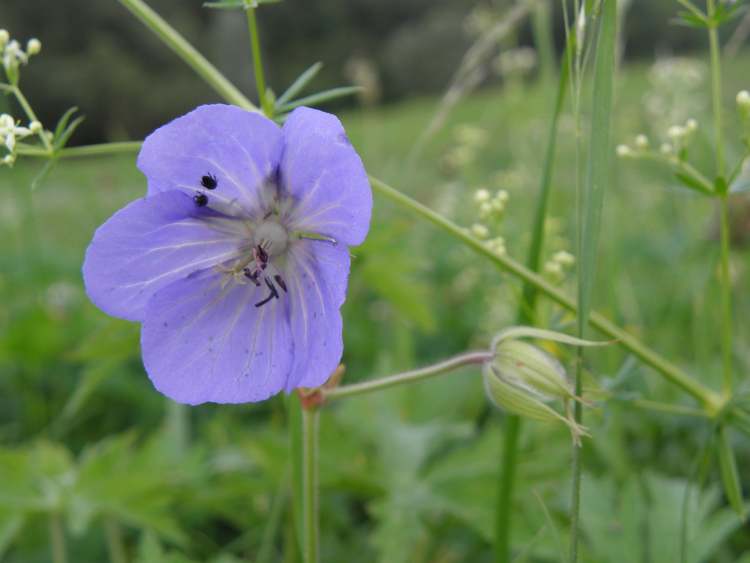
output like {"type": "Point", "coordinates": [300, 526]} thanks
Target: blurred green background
{"type": "Point", "coordinates": [409, 475]}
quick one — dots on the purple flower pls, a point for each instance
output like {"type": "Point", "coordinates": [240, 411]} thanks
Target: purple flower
{"type": "Point", "coordinates": [236, 261]}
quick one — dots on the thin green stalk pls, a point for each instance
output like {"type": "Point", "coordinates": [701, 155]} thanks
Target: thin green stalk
{"type": "Point", "coordinates": [707, 397]}
{"type": "Point", "coordinates": [526, 314]}
{"type": "Point", "coordinates": [26, 106]}
{"type": "Point", "coordinates": [57, 539]}
{"type": "Point", "coordinates": [115, 545]}
{"type": "Point", "coordinates": [260, 81]}
{"type": "Point", "coordinates": [507, 477]}
{"type": "Point", "coordinates": [411, 376]}
{"type": "Point", "coordinates": [188, 53]}
{"type": "Point", "coordinates": [311, 533]}
{"type": "Point", "coordinates": [725, 281]}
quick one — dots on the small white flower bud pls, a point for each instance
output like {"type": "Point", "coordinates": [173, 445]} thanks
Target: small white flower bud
{"type": "Point", "coordinates": [502, 195]}
{"type": "Point", "coordinates": [564, 258]}
{"type": "Point", "coordinates": [10, 141]}
{"type": "Point", "coordinates": [4, 37]}
{"type": "Point", "coordinates": [34, 46]}
{"type": "Point", "coordinates": [676, 132]}
{"type": "Point", "coordinates": [743, 100]}
{"type": "Point", "coordinates": [691, 125]}
{"type": "Point", "coordinates": [481, 195]}
{"type": "Point", "coordinates": [553, 267]}
{"type": "Point", "coordinates": [9, 159]}
{"type": "Point", "coordinates": [35, 127]}
{"type": "Point", "coordinates": [480, 231]}
{"type": "Point", "coordinates": [624, 151]}
{"type": "Point", "coordinates": [485, 210]}
{"type": "Point", "coordinates": [666, 148]}
{"type": "Point", "coordinates": [641, 141]}
{"type": "Point", "coordinates": [498, 205]}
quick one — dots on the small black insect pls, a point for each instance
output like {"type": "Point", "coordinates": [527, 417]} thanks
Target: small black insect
{"type": "Point", "coordinates": [201, 200]}
{"type": "Point", "coordinates": [209, 182]}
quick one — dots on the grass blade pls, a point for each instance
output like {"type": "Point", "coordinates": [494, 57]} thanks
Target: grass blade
{"type": "Point", "coordinates": [729, 476]}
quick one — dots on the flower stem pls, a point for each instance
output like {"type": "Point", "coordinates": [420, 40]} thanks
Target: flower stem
{"type": "Point", "coordinates": [709, 398]}
{"type": "Point", "coordinates": [310, 533]}
{"type": "Point", "coordinates": [115, 546]}
{"type": "Point", "coordinates": [188, 53]}
{"type": "Point", "coordinates": [260, 81]}
{"type": "Point", "coordinates": [411, 376]}
{"type": "Point", "coordinates": [725, 281]}
{"type": "Point", "coordinates": [26, 106]}
{"type": "Point", "coordinates": [507, 477]}
{"type": "Point", "coordinates": [57, 538]}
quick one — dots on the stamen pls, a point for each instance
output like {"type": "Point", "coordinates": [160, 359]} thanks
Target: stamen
{"type": "Point", "coordinates": [252, 275]}
{"type": "Point", "coordinates": [274, 294]}
{"type": "Point", "coordinates": [318, 238]}
{"type": "Point", "coordinates": [280, 281]}
{"type": "Point", "coordinates": [261, 257]}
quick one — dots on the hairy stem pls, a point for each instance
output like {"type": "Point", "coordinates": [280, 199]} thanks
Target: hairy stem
{"type": "Point", "coordinates": [411, 376]}
{"type": "Point", "coordinates": [260, 80]}
{"type": "Point", "coordinates": [310, 532]}
{"type": "Point", "coordinates": [115, 545]}
{"type": "Point", "coordinates": [188, 53]}
{"type": "Point", "coordinates": [57, 538]}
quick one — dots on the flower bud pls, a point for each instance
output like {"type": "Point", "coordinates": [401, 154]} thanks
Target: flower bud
{"type": "Point", "coordinates": [481, 196]}
{"type": "Point", "coordinates": [666, 148]}
{"type": "Point", "coordinates": [691, 125]}
{"type": "Point", "coordinates": [676, 132]}
{"type": "Point", "coordinates": [9, 159]}
{"type": "Point", "coordinates": [4, 37]}
{"type": "Point", "coordinates": [564, 258]}
{"type": "Point", "coordinates": [480, 231]}
{"type": "Point", "coordinates": [743, 101]}
{"type": "Point", "coordinates": [35, 127]}
{"type": "Point", "coordinates": [624, 151]}
{"type": "Point", "coordinates": [641, 141]}
{"type": "Point", "coordinates": [34, 46]}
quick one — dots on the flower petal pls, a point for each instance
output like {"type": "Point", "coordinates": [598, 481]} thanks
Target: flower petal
{"type": "Point", "coordinates": [316, 276]}
{"type": "Point", "coordinates": [240, 148]}
{"type": "Point", "coordinates": [150, 243]}
{"type": "Point", "coordinates": [203, 340]}
{"type": "Point", "coordinates": [322, 171]}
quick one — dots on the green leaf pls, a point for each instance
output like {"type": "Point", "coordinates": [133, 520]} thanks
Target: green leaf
{"type": "Point", "coordinates": [690, 182]}
{"type": "Point", "coordinates": [63, 122]}
{"type": "Point", "coordinates": [299, 84]}
{"type": "Point", "coordinates": [62, 140]}
{"type": "Point", "coordinates": [691, 20]}
{"type": "Point", "coordinates": [729, 476]}
{"type": "Point", "coordinates": [319, 98]}
{"type": "Point", "coordinates": [237, 4]}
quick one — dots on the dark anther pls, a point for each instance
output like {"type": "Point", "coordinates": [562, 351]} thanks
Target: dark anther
{"type": "Point", "coordinates": [261, 257]}
{"type": "Point", "coordinates": [274, 294]}
{"type": "Point", "coordinates": [252, 275]}
{"type": "Point", "coordinates": [201, 200]}
{"type": "Point", "coordinates": [280, 281]}
{"type": "Point", "coordinates": [209, 182]}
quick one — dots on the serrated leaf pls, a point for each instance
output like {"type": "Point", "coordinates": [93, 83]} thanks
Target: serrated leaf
{"type": "Point", "coordinates": [319, 98]}
{"type": "Point", "coordinates": [299, 84]}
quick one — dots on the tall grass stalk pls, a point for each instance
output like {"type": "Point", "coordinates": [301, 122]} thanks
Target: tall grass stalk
{"type": "Point", "coordinates": [589, 205]}
{"type": "Point", "coordinates": [526, 316]}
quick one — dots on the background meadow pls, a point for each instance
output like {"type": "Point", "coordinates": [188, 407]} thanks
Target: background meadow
{"type": "Point", "coordinates": [410, 474]}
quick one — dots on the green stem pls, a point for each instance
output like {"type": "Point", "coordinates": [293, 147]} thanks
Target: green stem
{"type": "Point", "coordinates": [725, 281]}
{"type": "Point", "coordinates": [188, 53]}
{"type": "Point", "coordinates": [260, 81]}
{"type": "Point", "coordinates": [411, 376]}
{"type": "Point", "coordinates": [507, 477]}
{"type": "Point", "coordinates": [57, 539]}
{"type": "Point", "coordinates": [115, 545]}
{"type": "Point", "coordinates": [708, 398]}
{"type": "Point", "coordinates": [713, 37]}
{"type": "Point", "coordinates": [726, 298]}
{"type": "Point", "coordinates": [26, 106]}
{"type": "Point", "coordinates": [310, 534]}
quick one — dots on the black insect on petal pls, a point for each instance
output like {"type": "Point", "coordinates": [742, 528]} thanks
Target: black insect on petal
{"type": "Point", "coordinates": [201, 200]}
{"type": "Point", "coordinates": [209, 181]}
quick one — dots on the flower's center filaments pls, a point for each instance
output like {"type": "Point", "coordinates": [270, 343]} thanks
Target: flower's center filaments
{"type": "Point", "coordinates": [270, 239]}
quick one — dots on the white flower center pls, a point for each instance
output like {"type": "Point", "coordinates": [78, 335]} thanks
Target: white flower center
{"type": "Point", "coordinates": [272, 237]}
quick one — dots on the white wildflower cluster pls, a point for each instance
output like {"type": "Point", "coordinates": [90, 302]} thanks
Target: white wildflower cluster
{"type": "Point", "coordinates": [491, 207]}
{"type": "Point", "coordinates": [678, 138]}
{"type": "Point", "coordinates": [469, 139]}
{"type": "Point", "coordinates": [13, 54]}
{"type": "Point", "coordinates": [10, 132]}
{"type": "Point", "coordinates": [559, 265]}
{"type": "Point", "coordinates": [515, 62]}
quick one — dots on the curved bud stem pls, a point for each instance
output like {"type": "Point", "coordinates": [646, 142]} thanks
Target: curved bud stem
{"type": "Point", "coordinates": [469, 358]}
